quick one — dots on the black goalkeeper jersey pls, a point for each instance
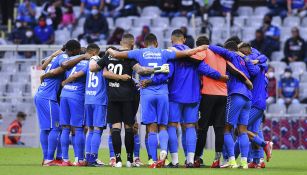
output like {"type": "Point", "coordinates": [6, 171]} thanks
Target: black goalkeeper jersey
{"type": "Point", "coordinates": [119, 90]}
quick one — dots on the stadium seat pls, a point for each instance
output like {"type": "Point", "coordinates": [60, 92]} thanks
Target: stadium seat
{"type": "Point", "coordinates": [151, 11]}
{"type": "Point", "coordinates": [261, 11]}
{"type": "Point", "coordinates": [197, 20]}
{"type": "Point", "coordinates": [298, 67]}
{"type": "Point", "coordinates": [277, 56]}
{"type": "Point", "coordinates": [277, 109]}
{"type": "Point", "coordinates": [124, 23]}
{"type": "Point", "coordinates": [254, 21]}
{"type": "Point", "coordinates": [61, 36]}
{"type": "Point", "coordinates": [9, 67]}
{"type": "Point", "coordinates": [5, 108]}
{"type": "Point", "coordinates": [140, 22]}
{"type": "Point", "coordinates": [245, 11]}
{"type": "Point", "coordinates": [303, 32]}
{"type": "Point", "coordinates": [278, 66]}
{"type": "Point", "coordinates": [81, 22]}
{"type": "Point", "coordinates": [20, 78]}
{"type": "Point", "coordinates": [304, 22]}
{"type": "Point", "coordinates": [76, 10]}
{"type": "Point", "coordinates": [217, 21]}
{"type": "Point", "coordinates": [14, 90]}
{"type": "Point", "coordinates": [249, 33]}
{"type": "Point", "coordinates": [291, 21]}
{"type": "Point", "coordinates": [77, 32]}
{"type": "Point", "coordinates": [5, 77]}
{"type": "Point", "coordinates": [303, 91]}
{"type": "Point", "coordinates": [110, 23]}
{"type": "Point", "coordinates": [168, 33]}
{"type": "Point", "coordinates": [179, 22]}
{"type": "Point", "coordinates": [160, 22]}
{"type": "Point", "coordinates": [135, 31]}
{"type": "Point", "coordinates": [276, 21]}
{"type": "Point", "coordinates": [239, 20]}
{"type": "Point", "coordinates": [217, 35]}
{"type": "Point", "coordinates": [303, 78]}
{"type": "Point", "coordinates": [285, 33]}
{"type": "Point", "coordinates": [297, 109]}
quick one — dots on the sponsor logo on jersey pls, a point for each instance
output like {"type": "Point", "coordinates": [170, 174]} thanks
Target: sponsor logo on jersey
{"type": "Point", "coordinates": [70, 87]}
{"type": "Point", "coordinates": [114, 84]}
{"type": "Point", "coordinates": [93, 93]}
{"type": "Point", "coordinates": [151, 55]}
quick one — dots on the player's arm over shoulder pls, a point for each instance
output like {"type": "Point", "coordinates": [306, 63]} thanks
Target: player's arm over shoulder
{"type": "Point", "coordinates": [142, 70]}
{"type": "Point", "coordinates": [73, 77]}
{"type": "Point", "coordinates": [117, 54]}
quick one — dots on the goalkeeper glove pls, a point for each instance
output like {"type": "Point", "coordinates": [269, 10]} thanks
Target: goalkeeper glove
{"type": "Point", "coordinates": [162, 69]}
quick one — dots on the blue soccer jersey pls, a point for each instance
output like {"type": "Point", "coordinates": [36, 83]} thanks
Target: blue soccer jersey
{"type": "Point", "coordinates": [50, 86]}
{"type": "Point", "coordinates": [152, 57]}
{"type": "Point", "coordinates": [75, 89]}
{"type": "Point", "coordinates": [95, 88]}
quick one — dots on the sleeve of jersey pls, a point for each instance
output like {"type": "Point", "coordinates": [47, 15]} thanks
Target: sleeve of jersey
{"type": "Point", "coordinates": [103, 61]}
{"type": "Point", "coordinates": [85, 68]}
{"type": "Point", "coordinates": [222, 52]}
{"type": "Point", "coordinates": [253, 70]}
{"type": "Point", "coordinates": [158, 79]}
{"type": "Point", "coordinates": [206, 70]}
{"type": "Point", "coordinates": [62, 58]}
{"type": "Point", "coordinates": [169, 54]}
{"type": "Point", "coordinates": [134, 54]}
{"type": "Point", "coordinates": [262, 59]}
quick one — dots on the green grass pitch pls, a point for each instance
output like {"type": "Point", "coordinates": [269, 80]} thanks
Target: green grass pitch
{"type": "Point", "coordinates": [26, 161]}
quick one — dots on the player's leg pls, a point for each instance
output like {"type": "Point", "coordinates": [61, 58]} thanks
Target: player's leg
{"type": "Point", "coordinates": [65, 123]}
{"type": "Point", "coordinates": [99, 123]}
{"type": "Point", "coordinates": [183, 140]}
{"type": "Point", "coordinates": [150, 161]}
{"type": "Point", "coordinates": [190, 117]}
{"type": "Point", "coordinates": [59, 149]}
{"type": "Point", "coordinates": [243, 137]}
{"type": "Point", "coordinates": [174, 119]}
{"type": "Point", "coordinates": [137, 145]}
{"type": "Point", "coordinates": [162, 109]}
{"type": "Point", "coordinates": [88, 110]}
{"type": "Point", "coordinates": [112, 161]}
{"type": "Point", "coordinates": [128, 117]}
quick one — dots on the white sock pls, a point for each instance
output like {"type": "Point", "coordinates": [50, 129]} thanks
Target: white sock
{"type": "Point", "coordinates": [232, 158]}
{"type": "Point", "coordinates": [190, 158]}
{"type": "Point", "coordinates": [174, 158]}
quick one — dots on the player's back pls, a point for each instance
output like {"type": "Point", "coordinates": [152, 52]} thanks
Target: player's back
{"type": "Point", "coordinates": [50, 86]}
{"type": "Point", "coordinates": [75, 89]}
{"type": "Point", "coordinates": [95, 88]}
{"type": "Point", "coordinates": [185, 78]}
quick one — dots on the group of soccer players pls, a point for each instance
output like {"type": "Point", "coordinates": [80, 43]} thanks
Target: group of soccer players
{"type": "Point", "coordinates": [177, 88]}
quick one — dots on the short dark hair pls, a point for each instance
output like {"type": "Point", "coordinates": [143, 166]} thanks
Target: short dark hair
{"type": "Point", "coordinates": [92, 47]}
{"type": "Point", "coordinates": [178, 33]}
{"type": "Point", "coordinates": [128, 36]}
{"type": "Point", "coordinates": [231, 45]}
{"type": "Point", "coordinates": [21, 115]}
{"type": "Point", "coordinates": [202, 40]}
{"type": "Point", "coordinates": [150, 39]}
{"type": "Point", "coordinates": [72, 45]}
{"type": "Point", "coordinates": [236, 39]}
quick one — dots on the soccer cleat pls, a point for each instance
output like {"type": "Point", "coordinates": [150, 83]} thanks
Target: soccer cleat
{"type": "Point", "coordinates": [118, 165]}
{"type": "Point", "coordinates": [268, 150]}
{"type": "Point", "coordinates": [201, 161]}
{"type": "Point", "coordinates": [262, 164]}
{"type": "Point", "coordinates": [216, 164]}
{"type": "Point", "coordinates": [52, 163]}
{"type": "Point", "coordinates": [129, 164]}
{"type": "Point", "coordinates": [253, 165]}
{"type": "Point", "coordinates": [80, 163]}
{"type": "Point", "coordinates": [189, 165]}
{"type": "Point", "coordinates": [137, 162]}
{"type": "Point", "coordinates": [68, 163]}
{"type": "Point", "coordinates": [94, 164]}
{"type": "Point", "coordinates": [150, 162]}
{"type": "Point", "coordinates": [58, 161]}
{"type": "Point", "coordinates": [170, 165]}
{"type": "Point", "coordinates": [244, 164]}
{"type": "Point", "coordinates": [153, 165]}
{"type": "Point", "coordinates": [197, 163]}
{"type": "Point", "coordinates": [160, 163]}
{"type": "Point", "coordinates": [232, 164]}
{"type": "Point", "coordinates": [112, 161]}
{"type": "Point", "coordinates": [100, 162]}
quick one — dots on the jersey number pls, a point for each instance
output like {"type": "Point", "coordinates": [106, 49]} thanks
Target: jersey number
{"type": "Point", "coordinates": [93, 80]}
{"type": "Point", "coordinates": [153, 64]}
{"type": "Point", "coordinates": [116, 69]}
{"type": "Point", "coordinates": [48, 68]}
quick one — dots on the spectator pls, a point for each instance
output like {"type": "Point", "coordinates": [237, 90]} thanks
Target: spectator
{"type": "Point", "coordinates": [43, 34]}
{"type": "Point", "coordinates": [168, 7]}
{"type": "Point", "coordinates": [204, 5]}
{"type": "Point", "coordinates": [140, 39]}
{"type": "Point", "coordinates": [29, 39]}
{"type": "Point", "coordinates": [114, 8]}
{"type": "Point", "coordinates": [96, 26]}
{"type": "Point", "coordinates": [26, 12]}
{"type": "Point", "coordinates": [271, 32]}
{"type": "Point", "coordinates": [87, 5]}
{"type": "Point", "coordinates": [130, 10]}
{"type": "Point", "coordinates": [7, 10]}
{"type": "Point", "coordinates": [116, 36]}
{"type": "Point", "coordinates": [297, 7]}
{"type": "Point", "coordinates": [222, 7]}
{"type": "Point", "coordinates": [272, 83]}
{"type": "Point", "coordinates": [53, 13]}
{"type": "Point", "coordinates": [186, 8]}
{"type": "Point", "coordinates": [262, 44]}
{"type": "Point", "coordinates": [295, 47]}
{"type": "Point", "coordinates": [189, 40]}
{"type": "Point", "coordinates": [18, 34]}
{"type": "Point", "coordinates": [68, 19]}
{"type": "Point", "coordinates": [15, 130]}
{"type": "Point", "coordinates": [288, 88]}
{"type": "Point", "coordinates": [278, 8]}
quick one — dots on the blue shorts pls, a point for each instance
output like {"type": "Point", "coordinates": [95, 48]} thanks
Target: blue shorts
{"type": "Point", "coordinates": [95, 115]}
{"type": "Point", "coordinates": [48, 113]}
{"type": "Point", "coordinates": [155, 109]}
{"type": "Point", "coordinates": [237, 110]}
{"type": "Point", "coordinates": [255, 118]}
{"type": "Point", "coordinates": [71, 112]}
{"type": "Point", "coordinates": [183, 112]}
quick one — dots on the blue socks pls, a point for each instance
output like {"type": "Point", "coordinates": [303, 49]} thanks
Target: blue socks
{"type": "Point", "coordinates": [258, 141]}
{"type": "Point", "coordinates": [153, 145]}
{"type": "Point", "coordinates": [147, 148]}
{"type": "Point", "coordinates": [183, 142]}
{"type": "Point", "coordinates": [52, 142]}
{"type": "Point", "coordinates": [65, 142]}
{"type": "Point", "coordinates": [229, 144]}
{"type": "Point", "coordinates": [244, 144]}
{"type": "Point", "coordinates": [111, 150]}
{"type": "Point", "coordinates": [137, 146]}
{"type": "Point", "coordinates": [96, 140]}
{"type": "Point", "coordinates": [163, 140]}
{"type": "Point", "coordinates": [172, 141]}
{"type": "Point", "coordinates": [224, 152]}
{"type": "Point", "coordinates": [59, 148]}
{"type": "Point", "coordinates": [79, 143]}
{"type": "Point", "coordinates": [88, 141]}
{"type": "Point", "coordinates": [237, 149]}
{"type": "Point", "coordinates": [44, 142]}
{"type": "Point", "coordinates": [190, 135]}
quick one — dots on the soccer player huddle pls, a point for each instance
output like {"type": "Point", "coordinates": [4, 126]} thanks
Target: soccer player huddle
{"type": "Point", "coordinates": [178, 88]}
